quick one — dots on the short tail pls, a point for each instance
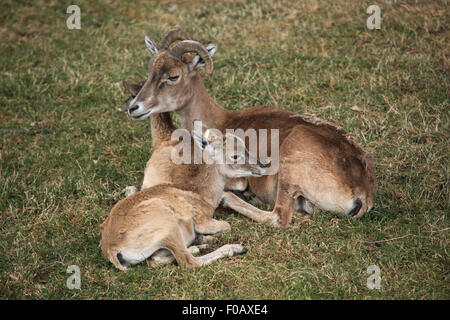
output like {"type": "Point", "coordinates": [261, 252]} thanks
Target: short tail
{"type": "Point", "coordinates": [356, 208]}
{"type": "Point", "coordinates": [117, 259]}
{"type": "Point", "coordinates": [360, 206]}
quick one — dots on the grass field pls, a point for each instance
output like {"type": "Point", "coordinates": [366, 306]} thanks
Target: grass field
{"type": "Point", "coordinates": [388, 87]}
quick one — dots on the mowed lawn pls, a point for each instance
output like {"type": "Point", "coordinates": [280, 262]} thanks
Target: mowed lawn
{"type": "Point", "coordinates": [388, 87]}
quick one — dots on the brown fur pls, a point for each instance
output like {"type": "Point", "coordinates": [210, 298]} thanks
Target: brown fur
{"type": "Point", "coordinates": [318, 160]}
{"type": "Point", "coordinates": [168, 215]}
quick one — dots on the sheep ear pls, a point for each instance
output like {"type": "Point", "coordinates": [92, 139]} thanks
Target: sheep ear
{"type": "Point", "coordinates": [151, 46]}
{"type": "Point", "coordinates": [133, 88]}
{"type": "Point", "coordinates": [198, 62]}
{"type": "Point", "coordinates": [212, 49]}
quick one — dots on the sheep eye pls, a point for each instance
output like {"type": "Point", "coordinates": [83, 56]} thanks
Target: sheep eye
{"type": "Point", "coordinates": [173, 79]}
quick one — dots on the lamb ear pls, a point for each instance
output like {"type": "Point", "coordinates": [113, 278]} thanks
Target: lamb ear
{"type": "Point", "coordinates": [198, 135]}
{"type": "Point", "coordinates": [151, 46]}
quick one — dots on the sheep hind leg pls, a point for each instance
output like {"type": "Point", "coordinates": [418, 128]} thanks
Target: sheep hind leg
{"type": "Point", "coordinates": [210, 226]}
{"type": "Point", "coordinates": [175, 244]}
{"type": "Point", "coordinates": [285, 203]}
{"type": "Point", "coordinates": [184, 256]}
{"type": "Point", "coordinates": [227, 250]}
{"type": "Point", "coordinates": [163, 257]}
{"type": "Point", "coordinates": [202, 239]}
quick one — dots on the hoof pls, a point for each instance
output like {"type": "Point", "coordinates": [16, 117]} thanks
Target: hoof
{"type": "Point", "coordinates": [234, 249]}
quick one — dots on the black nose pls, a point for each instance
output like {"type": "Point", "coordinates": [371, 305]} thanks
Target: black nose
{"type": "Point", "coordinates": [130, 110]}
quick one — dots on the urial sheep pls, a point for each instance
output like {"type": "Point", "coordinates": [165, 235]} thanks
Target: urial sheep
{"type": "Point", "coordinates": [169, 216]}
{"type": "Point", "coordinates": [319, 162]}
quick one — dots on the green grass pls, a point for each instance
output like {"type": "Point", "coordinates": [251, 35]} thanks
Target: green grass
{"type": "Point", "coordinates": [390, 89]}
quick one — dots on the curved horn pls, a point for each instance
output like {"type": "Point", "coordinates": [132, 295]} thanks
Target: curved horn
{"type": "Point", "coordinates": [193, 46]}
{"type": "Point", "coordinates": [172, 36]}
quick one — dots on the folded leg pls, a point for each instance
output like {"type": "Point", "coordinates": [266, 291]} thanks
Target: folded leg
{"type": "Point", "coordinates": [232, 201]}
